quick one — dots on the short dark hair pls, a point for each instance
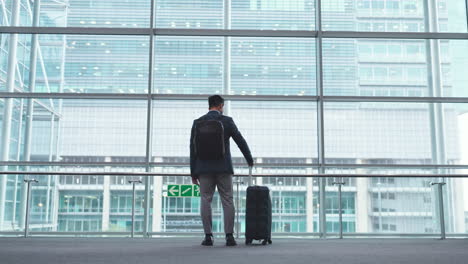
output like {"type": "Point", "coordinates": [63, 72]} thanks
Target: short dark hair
{"type": "Point", "coordinates": [215, 101]}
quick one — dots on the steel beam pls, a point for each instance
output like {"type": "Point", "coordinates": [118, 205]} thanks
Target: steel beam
{"type": "Point", "coordinates": [229, 32]}
{"type": "Point", "coordinates": [278, 98]}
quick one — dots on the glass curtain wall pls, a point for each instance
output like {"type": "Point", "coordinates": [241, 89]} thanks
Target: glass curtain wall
{"type": "Point", "coordinates": [335, 87]}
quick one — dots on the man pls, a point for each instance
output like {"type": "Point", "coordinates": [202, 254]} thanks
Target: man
{"type": "Point", "coordinates": [210, 173]}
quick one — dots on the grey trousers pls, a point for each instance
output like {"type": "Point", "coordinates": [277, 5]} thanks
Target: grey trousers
{"type": "Point", "coordinates": [208, 183]}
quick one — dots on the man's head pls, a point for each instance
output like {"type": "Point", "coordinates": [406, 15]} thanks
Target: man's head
{"type": "Point", "coordinates": [216, 102]}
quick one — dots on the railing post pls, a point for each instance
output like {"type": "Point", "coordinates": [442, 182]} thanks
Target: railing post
{"type": "Point", "coordinates": [28, 202]}
{"type": "Point", "coordinates": [133, 182]}
{"type": "Point", "coordinates": [340, 183]}
{"type": "Point", "coordinates": [441, 208]}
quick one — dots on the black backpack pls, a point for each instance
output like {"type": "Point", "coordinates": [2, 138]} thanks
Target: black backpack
{"type": "Point", "coordinates": [209, 140]}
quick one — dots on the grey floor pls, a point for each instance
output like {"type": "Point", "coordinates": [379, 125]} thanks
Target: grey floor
{"type": "Point", "coordinates": [188, 251]}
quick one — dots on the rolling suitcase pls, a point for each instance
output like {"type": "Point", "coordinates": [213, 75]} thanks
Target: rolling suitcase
{"type": "Point", "coordinates": [257, 214]}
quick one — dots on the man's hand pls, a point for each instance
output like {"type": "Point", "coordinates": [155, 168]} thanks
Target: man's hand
{"type": "Point", "coordinates": [195, 181]}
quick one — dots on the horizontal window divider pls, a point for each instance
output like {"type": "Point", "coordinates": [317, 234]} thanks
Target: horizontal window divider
{"type": "Point", "coordinates": [236, 97]}
{"type": "Point", "coordinates": [158, 32]}
{"type": "Point", "coordinates": [261, 165]}
{"type": "Point", "coordinates": [117, 163]}
{"type": "Point", "coordinates": [228, 32]}
{"type": "Point", "coordinates": [75, 96]}
{"type": "Point", "coordinates": [312, 175]}
{"type": "Point", "coordinates": [393, 35]}
{"type": "Point", "coordinates": [128, 96]}
{"type": "Point", "coordinates": [76, 30]}
{"type": "Point", "coordinates": [58, 163]}
{"type": "Point", "coordinates": [155, 96]}
{"type": "Point", "coordinates": [396, 166]}
{"type": "Point", "coordinates": [234, 33]}
{"type": "Point", "coordinates": [395, 99]}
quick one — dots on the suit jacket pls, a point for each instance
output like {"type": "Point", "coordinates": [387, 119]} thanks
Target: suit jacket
{"type": "Point", "coordinates": [198, 167]}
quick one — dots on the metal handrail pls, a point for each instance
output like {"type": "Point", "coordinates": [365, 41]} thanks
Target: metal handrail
{"type": "Point", "coordinates": [316, 175]}
{"type": "Point", "coordinates": [258, 164]}
{"type": "Point", "coordinates": [339, 183]}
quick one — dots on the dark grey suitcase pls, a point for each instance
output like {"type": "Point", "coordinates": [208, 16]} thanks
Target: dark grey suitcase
{"type": "Point", "coordinates": [258, 215]}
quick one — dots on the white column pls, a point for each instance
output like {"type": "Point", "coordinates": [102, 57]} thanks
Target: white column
{"type": "Point", "coordinates": [8, 105]}
{"type": "Point", "coordinates": [310, 203]}
{"type": "Point", "coordinates": [259, 170]}
{"type": "Point", "coordinates": [362, 205]}
{"type": "Point", "coordinates": [106, 203]}
{"type": "Point", "coordinates": [456, 212]}
{"type": "Point", "coordinates": [463, 145]}
{"type": "Point", "coordinates": [157, 203]}
{"type": "Point", "coordinates": [55, 204]}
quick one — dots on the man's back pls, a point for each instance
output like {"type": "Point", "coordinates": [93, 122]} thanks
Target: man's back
{"type": "Point", "coordinates": [213, 168]}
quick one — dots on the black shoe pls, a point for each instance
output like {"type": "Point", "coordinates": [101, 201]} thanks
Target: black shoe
{"type": "Point", "coordinates": [230, 241]}
{"type": "Point", "coordinates": [208, 241]}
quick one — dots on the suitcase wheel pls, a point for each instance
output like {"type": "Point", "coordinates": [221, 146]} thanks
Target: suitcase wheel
{"type": "Point", "coordinates": [248, 241]}
{"type": "Point", "coordinates": [269, 241]}
{"type": "Point", "coordinates": [264, 242]}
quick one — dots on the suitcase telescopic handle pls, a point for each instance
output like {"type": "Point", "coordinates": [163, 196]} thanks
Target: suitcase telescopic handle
{"type": "Point", "coordinates": [250, 175]}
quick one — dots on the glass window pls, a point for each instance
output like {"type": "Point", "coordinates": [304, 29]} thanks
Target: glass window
{"type": "Point", "coordinates": [410, 139]}
{"type": "Point", "coordinates": [273, 15]}
{"type": "Point", "coordinates": [378, 4]}
{"type": "Point", "coordinates": [365, 48]}
{"type": "Point", "coordinates": [380, 73]}
{"type": "Point", "coordinates": [364, 4]}
{"type": "Point", "coordinates": [364, 26]}
{"type": "Point", "coordinates": [394, 16]}
{"type": "Point", "coordinates": [82, 13]}
{"type": "Point", "coordinates": [259, 66]}
{"type": "Point", "coordinates": [365, 73]}
{"type": "Point", "coordinates": [85, 64]}
{"type": "Point", "coordinates": [395, 73]}
{"type": "Point", "coordinates": [189, 14]}
{"type": "Point", "coordinates": [394, 50]}
{"type": "Point", "coordinates": [401, 63]}
{"type": "Point", "coordinates": [253, 120]}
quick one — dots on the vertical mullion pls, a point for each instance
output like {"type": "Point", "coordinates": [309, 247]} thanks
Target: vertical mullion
{"type": "Point", "coordinates": [320, 119]}
{"type": "Point", "coordinates": [149, 126]}
{"type": "Point", "coordinates": [227, 55]}
{"type": "Point", "coordinates": [466, 13]}
{"type": "Point", "coordinates": [30, 104]}
{"type": "Point", "coordinates": [435, 110]}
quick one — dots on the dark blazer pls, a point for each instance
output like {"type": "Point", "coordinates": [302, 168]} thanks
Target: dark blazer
{"type": "Point", "coordinates": [198, 167]}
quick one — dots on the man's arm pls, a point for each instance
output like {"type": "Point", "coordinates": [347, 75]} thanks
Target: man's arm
{"type": "Point", "coordinates": [241, 143]}
{"type": "Point", "coordinates": [193, 156]}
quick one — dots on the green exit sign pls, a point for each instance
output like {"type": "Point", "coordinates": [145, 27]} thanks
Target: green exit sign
{"type": "Point", "coordinates": [183, 190]}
